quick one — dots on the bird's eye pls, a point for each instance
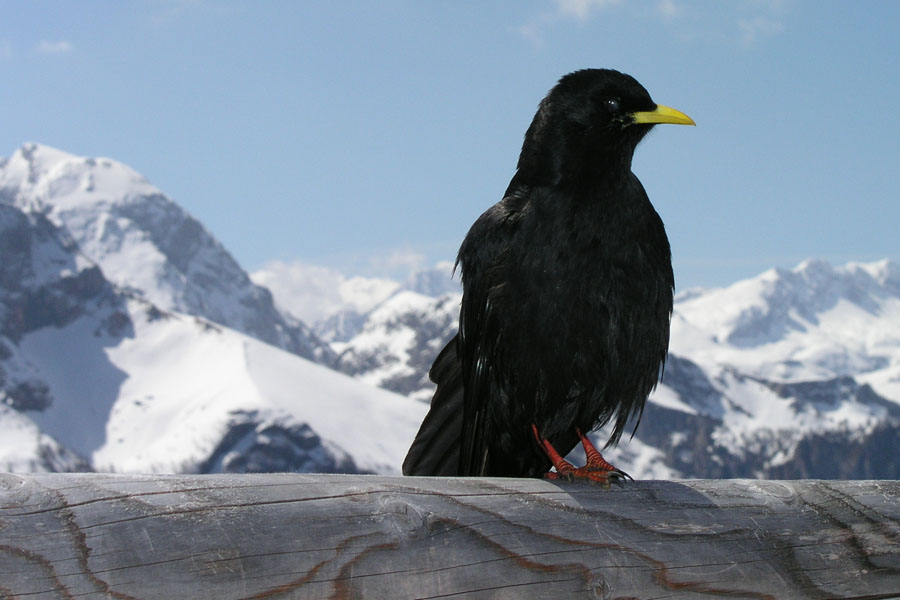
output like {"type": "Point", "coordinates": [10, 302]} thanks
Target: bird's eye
{"type": "Point", "coordinates": [612, 104]}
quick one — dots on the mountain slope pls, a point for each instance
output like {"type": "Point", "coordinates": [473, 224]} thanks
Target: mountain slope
{"type": "Point", "coordinates": [398, 341]}
{"type": "Point", "coordinates": [176, 393]}
{"type": "Point", "coordinates": [811, 322]}
{"type": "Point", "coordinates": [25, 449]}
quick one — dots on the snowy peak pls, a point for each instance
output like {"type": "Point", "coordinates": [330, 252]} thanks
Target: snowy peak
{"type": "Point", "coordinates": [809, 322]}
{"type": "Point", "coordinates": [147, 244]}
{"type": "Point", "coordinates": [116, 217]}
{"type": "Point", "coordinates": [41, 173]}
{"type": "Point", "coordinates": [885, 272]}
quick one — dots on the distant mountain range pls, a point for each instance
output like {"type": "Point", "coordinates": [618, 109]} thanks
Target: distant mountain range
{"type": "Point", "coordinates": [130, 340]}
{"type": "Point", "coordinates": [790, 374]}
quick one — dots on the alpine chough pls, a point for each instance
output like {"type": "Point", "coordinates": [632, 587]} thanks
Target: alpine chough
{"type": "Point", "coordinates": [567, 297]}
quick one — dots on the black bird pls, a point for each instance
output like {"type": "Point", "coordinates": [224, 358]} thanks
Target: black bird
{"type": "Point", "coordinates": [567, 296]}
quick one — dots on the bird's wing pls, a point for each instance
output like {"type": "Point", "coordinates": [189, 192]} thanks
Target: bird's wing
{"type": "Point", "coordinates": [435, 451]}
{"type": "Point", "coordinates": [483, 257]}
{"type": "Point", "coordinates": [451, 440]}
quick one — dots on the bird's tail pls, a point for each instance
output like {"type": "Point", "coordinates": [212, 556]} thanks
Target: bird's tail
{"type": "Point", "coordinates": [435, 451]}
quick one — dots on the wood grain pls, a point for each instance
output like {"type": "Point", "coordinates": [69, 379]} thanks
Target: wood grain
{"type": "Point", "coordinates": [348, 536]}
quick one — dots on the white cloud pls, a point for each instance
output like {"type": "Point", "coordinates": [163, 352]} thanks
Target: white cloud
{"type": "Point", "coordinates": [349, 282]}
{"type": "Point", "coordinates": [313, 292]}
{"type": "Point", "coordinates": [57, 47]}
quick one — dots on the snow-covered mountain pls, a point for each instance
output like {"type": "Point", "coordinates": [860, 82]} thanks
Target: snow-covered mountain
{"type": "Point", "coordinates": [794, 373]}
{"type": "Point", "coordinates": [398, 340]}
{"type": "Point", "coordinates": [145, 243]}
{"type": "Point", "coordinates": [175, 393]}
{"type": "Point", "coordinates": [811, 323]}
{"type": "Point", "coordinates": [108, 360]}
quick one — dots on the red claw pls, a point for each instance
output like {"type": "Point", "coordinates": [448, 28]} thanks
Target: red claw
{"type": "Point", "coordinates": [597, 469]}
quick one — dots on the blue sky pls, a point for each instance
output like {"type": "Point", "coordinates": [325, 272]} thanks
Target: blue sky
{"type": "Point", "coordinates": [370, 135]}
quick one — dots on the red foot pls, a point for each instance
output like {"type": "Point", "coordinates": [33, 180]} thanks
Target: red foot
{"type": "Point", "coordinates": [597, 469]}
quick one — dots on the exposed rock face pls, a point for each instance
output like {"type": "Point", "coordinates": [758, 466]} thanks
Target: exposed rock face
{"type": "Point", "coordinates": [146, 244]}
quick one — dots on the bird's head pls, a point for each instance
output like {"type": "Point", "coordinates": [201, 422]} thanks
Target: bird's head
{"type": "Point", "coordinates": [589, 124]}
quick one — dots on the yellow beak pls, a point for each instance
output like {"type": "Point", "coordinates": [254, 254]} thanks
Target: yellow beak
{"type": "Point", "coordinates": [662, 114]}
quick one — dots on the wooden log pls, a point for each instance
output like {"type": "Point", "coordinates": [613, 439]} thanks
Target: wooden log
{"type": "Point", "coordinates": [276, 536]}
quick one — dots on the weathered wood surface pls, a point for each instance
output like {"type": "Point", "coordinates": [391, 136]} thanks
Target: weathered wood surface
{"type": "Point", "coordinates": [334, 536]}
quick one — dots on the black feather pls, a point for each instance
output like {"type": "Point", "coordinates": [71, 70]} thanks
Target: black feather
{"type": "Point", "coordinates": [567, 294]}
